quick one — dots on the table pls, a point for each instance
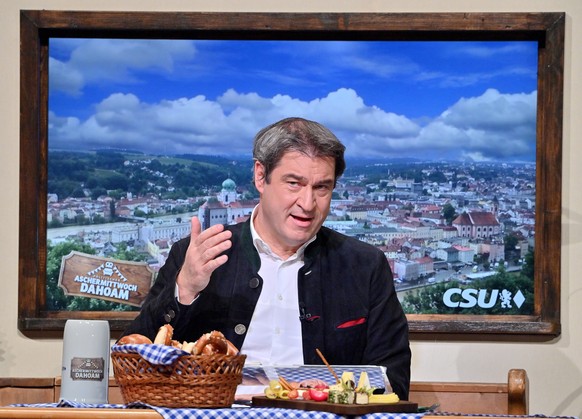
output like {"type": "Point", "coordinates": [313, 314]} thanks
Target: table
{"type": "Point", "coordinates": [76, 413]}
{"type": "Point", "coordinates": [137, 413]}
{"type": "Point", "coordinates": [108, 413]}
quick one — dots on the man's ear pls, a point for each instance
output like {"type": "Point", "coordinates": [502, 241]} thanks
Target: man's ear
{"type": "Point", "coordinates": [259, 176]}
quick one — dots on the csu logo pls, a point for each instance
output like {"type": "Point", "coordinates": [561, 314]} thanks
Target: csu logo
{"type": "Point", "coordinates": [470, 297]}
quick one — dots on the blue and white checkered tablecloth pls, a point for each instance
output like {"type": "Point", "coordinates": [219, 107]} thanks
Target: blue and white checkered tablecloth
{"type": "Point", "coordinates": [298, 373]}
{"type": "Point", "coordinates": [167, 355]}
{"type": "Point", "coordinates": [244, 413]}
{"type": "Point", "coordinates": [226, 413]}
{"type": "Point", "coordinates": [391, 416]}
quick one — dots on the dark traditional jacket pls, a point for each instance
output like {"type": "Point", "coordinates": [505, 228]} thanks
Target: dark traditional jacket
{"type": "Point", "coordinates": [347, 301]}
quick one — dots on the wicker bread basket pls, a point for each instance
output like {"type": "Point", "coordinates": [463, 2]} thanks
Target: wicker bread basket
{"type": "Point", "coordinates": [192, 381]}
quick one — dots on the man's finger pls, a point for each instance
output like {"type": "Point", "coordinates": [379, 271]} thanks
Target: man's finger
{"type": "Point", "coordinates": [215, 263]}
{"type": "Point", "coordinates": [217, 248]}
{"type": "Point", "coordinates": [195, 227]}
{"type": "Point", "coordinates": [209, 241]}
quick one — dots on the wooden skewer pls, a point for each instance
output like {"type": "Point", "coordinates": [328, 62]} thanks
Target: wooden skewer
{"type": "Point", "coordinates": [337, 379]}
{"type": "Point", "coordinates": [285, 384]}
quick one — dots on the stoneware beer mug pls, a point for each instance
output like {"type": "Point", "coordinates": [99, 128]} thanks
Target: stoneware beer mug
{"type": "Point", "coordinates": [85, 369]}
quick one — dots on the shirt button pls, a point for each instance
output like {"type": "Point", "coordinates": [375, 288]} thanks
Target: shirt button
{"type": "Point", "coordinates": [254, 283]}
{"type": "Point", "coordinates": [279, 297]}
{"type": "Point", "coordinates": [169, 315]}
{"type": "Point", "coordinates": [240, 329]}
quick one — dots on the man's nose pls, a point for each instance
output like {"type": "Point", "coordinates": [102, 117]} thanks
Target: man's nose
{"type": "Point", "coordinates": [307, 199]}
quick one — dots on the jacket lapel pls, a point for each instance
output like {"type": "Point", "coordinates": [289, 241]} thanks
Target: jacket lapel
{"type": "Point", "coordinates": [310, 289]}
{"type": "Point", "coordinates": [246, 285]}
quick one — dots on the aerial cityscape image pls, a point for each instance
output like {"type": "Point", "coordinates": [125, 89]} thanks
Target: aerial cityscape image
{"type": "Point", "coordinates": [440, 149]}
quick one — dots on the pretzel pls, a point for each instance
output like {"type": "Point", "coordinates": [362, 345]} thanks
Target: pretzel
{"type": "Point", "coordinates": [164, 336]}
{"type": "Point", "coordinates": [208, 344]}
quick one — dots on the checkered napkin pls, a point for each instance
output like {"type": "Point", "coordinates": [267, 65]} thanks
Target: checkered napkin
{"type": "Point", "coordinates": [155, 354]}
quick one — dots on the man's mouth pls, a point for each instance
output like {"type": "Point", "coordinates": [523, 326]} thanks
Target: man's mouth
{"type": "Point", "coordinates": [302, 219]}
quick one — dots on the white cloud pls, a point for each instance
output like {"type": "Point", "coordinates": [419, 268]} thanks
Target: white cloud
{"type": "Point", "coordinates": [65, 78]}
{"type": "Point", "coordinates": [103, 60]}
{"type": "Point", "coordinates": [493, 111]}
{"type": "Point", "coordinates": [489, 126]}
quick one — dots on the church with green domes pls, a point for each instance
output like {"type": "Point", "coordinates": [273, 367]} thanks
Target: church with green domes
{"type": "Point", "coordinates": [226, 208]}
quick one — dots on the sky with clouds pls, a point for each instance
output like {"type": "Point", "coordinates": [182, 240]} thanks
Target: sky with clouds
{"type": "Point", "coordinates": [428, 100]}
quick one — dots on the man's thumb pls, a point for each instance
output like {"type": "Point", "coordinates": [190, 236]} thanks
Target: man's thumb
{"type": "Point", "coordinates": [196, 228]}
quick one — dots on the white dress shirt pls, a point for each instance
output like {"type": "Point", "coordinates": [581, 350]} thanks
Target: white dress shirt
{"type": "Point", "coordinates": [274, 334]}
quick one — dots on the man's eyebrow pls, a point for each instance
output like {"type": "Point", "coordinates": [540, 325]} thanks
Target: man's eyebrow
{"type": "Point", "coordinates": [324, 182]}
{"type": "Point", "coordinates": [293, 176]}
{"type": "Point", "coordinates": [302, 179]}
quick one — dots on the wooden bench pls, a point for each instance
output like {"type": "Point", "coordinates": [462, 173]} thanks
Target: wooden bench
{"type": "Point", "coordinates": [26, 390]}
{"type": "Point", "coordinates": [469, 398]}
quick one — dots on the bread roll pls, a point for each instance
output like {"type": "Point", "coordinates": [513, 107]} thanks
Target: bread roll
{"type": "Point", "coordinates": [232, 350]}
{"type": "Point", "coordinates": [188, 346]}
{"type": "Point", "coordinates": [134, 339]}
{"type": "Point", "coordinates": [164, 336]}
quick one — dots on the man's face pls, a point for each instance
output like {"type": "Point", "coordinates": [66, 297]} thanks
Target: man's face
{"type": "Point", "coordinates": [295, 203]}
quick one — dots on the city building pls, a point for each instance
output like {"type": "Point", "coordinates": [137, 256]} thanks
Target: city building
{"type": "Point", "coordinates": [226, 208]}
{"type": "Point", "coordinates": [477, 225]}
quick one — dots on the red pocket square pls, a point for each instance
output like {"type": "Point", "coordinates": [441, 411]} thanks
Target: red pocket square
{"type": "Point", "coordinates": [352, 323]}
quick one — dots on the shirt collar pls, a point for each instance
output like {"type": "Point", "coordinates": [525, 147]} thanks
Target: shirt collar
{"type": "Point", "coordinates": [263, 248]}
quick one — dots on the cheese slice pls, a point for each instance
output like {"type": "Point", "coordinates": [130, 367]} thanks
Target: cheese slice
{"type": "Point", "coordinates": [384, 398]}
{"type": "Point", "coordinates": [348, 380]}
{"type": "Point", "coordinates": [364, 381]}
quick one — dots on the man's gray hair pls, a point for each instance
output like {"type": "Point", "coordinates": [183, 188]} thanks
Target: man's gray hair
{"type": "Point", "coordinates": [297, 134]}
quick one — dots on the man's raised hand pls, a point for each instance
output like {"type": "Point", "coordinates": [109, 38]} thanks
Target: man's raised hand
{"type": "Point", "coordinates": [203, 256]}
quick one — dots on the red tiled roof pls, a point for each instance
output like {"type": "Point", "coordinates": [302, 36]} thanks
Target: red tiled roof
{"type": "Point", "coordinates": [477, 219]}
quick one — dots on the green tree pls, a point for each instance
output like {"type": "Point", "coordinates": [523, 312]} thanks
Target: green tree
{"type": "Point", "coordinates": [109, 160]}
{"type": "Point", "coordinates": [97, 192]}
{"type": "Point", "coordinates": [78, 193]}
{"type": "Point", "coordinates": [124, 252]}
{"type": "Point", "coordinates": [528, 265]}
{"type": "Point", "coordinates": [114, 180]}
{"type": "Point", "coordinates": [156, 166]}
{"type": "Point", "coordinates": [55, 297]}
{"type": "Point", "coordinates": [437, 176]}
{"type": "Point", "coordinates": [116, 194]}
{"type": "Point", "coordinates": [449, 213]}
{"type": "Point", "coordinates": [510, 242]}
{"type": "Point", "coordinates": [427, 300]}
{"type": "Point", "coordinates": [98, 219]}
{"type": "Point", "coordinates": [55, 223]}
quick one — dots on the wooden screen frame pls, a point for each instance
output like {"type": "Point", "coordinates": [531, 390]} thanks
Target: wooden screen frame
{"type": "Point", "coordinates": [37, 26]}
